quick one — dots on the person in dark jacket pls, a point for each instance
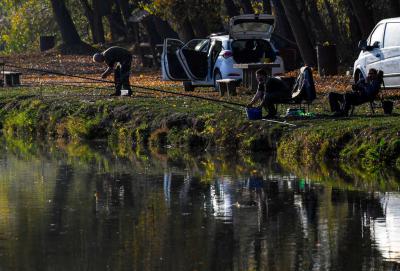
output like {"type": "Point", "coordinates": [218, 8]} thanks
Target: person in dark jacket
{"type": "Point", "coordinates": [119, 61]}
{"type": "Point", "coordinates": [270, 90]}
{"type": "Point", "coordinates": [363, 91]}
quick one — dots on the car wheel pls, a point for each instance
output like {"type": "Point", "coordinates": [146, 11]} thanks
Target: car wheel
{"type": "Point", "coordinates": [217, 76]}
{"type": "Point", "coordinates": [188, 87]}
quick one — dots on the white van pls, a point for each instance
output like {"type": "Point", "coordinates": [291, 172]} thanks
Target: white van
{"type": "Point", "coordinates": [381, 51]}
{"type": "Point", "coordinates": [201, 62]}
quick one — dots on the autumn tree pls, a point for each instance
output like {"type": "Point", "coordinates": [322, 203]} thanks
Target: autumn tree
{"type": "Point", "coordinates": [299, 30]}
{"type": "Point", "coordinates": [93, 13]}
{"type": "Point", "coordinates": [67, 28]}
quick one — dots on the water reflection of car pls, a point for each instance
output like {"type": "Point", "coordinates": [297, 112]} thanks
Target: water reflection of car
{"type": "Point", "coordinates": [201, 62]}
{"type": "Point", "coordinates": [381, 51]}
{"type": "Point", "coordinates": [386, 229]}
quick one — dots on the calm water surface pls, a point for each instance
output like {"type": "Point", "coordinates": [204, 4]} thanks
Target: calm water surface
{"type": "Point", "coordinates": [97, 212]}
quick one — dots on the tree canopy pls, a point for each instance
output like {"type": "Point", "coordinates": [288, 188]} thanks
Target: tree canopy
{"type": "Point", "coordinates": [301, 22]}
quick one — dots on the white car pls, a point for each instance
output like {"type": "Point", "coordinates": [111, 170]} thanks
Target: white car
{"type": "Point", "coordinates": [201, 62]}
{"type": "Point", "coordinates": [381, 51]}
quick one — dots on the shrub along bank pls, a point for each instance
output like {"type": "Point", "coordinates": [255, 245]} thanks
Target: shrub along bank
{"type": "Point", "coordinates": [126, 123]}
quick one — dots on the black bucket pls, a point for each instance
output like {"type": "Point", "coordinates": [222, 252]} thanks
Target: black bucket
{"type": "Point", "coordinates": [47, 43]}
{"type": "Point", "coordinates": [387, 107]}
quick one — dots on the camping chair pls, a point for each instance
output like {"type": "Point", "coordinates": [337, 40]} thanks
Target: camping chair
{"type": "Point", "coordinates": [303, 90]}
{"type": "Point", "coordinates": [372, 102]}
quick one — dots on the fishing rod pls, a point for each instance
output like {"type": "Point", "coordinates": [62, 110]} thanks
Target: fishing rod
{"type": "Point", "coordinates": [142, 87]}
{"type": "Point", "coordinates": [84, 87]}
{"type": "Point", "coordinates": [135, 86]}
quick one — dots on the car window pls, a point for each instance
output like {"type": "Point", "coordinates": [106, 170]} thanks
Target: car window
{"type": "Point", "coordinates": [377, 35]}
{"type": "Point", "coordinates": [392, 35]}
{"type": "Point", "coordinates": [202, 46]}
{"type": "Point", "coordinates": [226, 44]}
{"type": "Point", "coordinates": [252, 27]}
{"type": "Point", "coordinates": [173, 45]}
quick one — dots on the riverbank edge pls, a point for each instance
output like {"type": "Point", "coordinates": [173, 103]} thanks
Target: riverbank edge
{"type": "Point", "coordinates": [367, 142]}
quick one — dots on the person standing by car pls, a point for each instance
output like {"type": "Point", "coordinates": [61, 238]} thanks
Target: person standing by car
{"type": "Point", "coordinates": [270, 90]}
{"type": "Point", "coordinates": [118, 60]}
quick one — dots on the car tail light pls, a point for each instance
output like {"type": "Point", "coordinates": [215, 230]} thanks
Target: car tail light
{"type": "Point", "coordinates": [227, 54]}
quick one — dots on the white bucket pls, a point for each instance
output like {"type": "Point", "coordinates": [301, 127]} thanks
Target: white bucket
{"type": "Point", "coordinates": [124, 92]}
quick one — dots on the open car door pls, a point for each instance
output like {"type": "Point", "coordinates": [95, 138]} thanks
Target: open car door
{"type": "Point", "coordinates": [171, 67]}
{"type": "Point", "coordinates": [194, 59]}
{"type": "Point", "coordinates": [251, 26]}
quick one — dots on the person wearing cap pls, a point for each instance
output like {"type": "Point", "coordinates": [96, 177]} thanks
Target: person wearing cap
{"type": "Point", "coordinates": [119, 61]}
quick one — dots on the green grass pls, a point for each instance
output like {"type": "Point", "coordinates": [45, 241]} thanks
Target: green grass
{"type": "Point", "coordinates": [77, 114]}
{"type": "Point", "coordinates": [370, 142]}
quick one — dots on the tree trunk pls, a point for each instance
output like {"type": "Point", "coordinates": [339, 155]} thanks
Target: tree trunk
{"type": "Point", "coordinates": [185, 30]}
{"type": "Point", "coordinates": [231, 8]}
{"type": "Point", "coordinates": [68, 30]}
{"type": "Point", "coordinates": [355, 31]}
{"type": "Point", "coordinates": [267, 7]}
{"type": "Point", "coordinates": [318, 26]}
{"type": "Point", "coordinates": [114, 17]}
{"type": "Point", "coordinates": [247, 7]}
{"type": "Point", "coordinates": [136, 33]}
{"type": "Point", "coordinates": [336, 34]}
{"type": "Point", "coordinates": [124, 6]}
{"type": "Point", "coordinates": [363, 15]}
{"type": "Point", "coordinates": [98, 22]}
{"type": "Point", "coordinates": [199, 27]}
{"type": "Point", "coordinates": [164, 29]}
{"type": "Point", "coordinates": [302, 7]}
{"type": "Point", "coordinates": [282, 24]}
{"type": "Point", "coordinates": [88, 12]}
{"type": "Point", "coordinates": [345, 46]}
{"type": "Point", "coordinates": [300, 32]}
{"type": "Point", "coordinates": [126, 12]}
{"type": "Point", "coordinates": [154, 38]}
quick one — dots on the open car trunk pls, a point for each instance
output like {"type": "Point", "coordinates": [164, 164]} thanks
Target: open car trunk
{"type": "Point", "coordinates": [252, 51]}
{"type": "Point", "coordinates": [251, 26]}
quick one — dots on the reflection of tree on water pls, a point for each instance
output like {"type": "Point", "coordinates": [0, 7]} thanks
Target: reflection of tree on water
{"type": "Point", "coordinates": [59, 203]}
{"type": "Point", "coordinates": [155, 217]}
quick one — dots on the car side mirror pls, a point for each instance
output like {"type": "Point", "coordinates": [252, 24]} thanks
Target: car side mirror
{"type": "Point", "coordinates": [362, 45]}
{"type": "Point", "coordinates": [376, 44]}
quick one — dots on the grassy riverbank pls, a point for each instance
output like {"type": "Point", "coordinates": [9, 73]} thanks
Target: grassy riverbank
{"type": "Point", "coordinates": [146, 121]}
{"type": "Point", "coordinates": [50, 108]}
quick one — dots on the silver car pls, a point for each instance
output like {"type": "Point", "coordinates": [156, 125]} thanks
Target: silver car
{"type": "Point", "coordinates": [201, 62]}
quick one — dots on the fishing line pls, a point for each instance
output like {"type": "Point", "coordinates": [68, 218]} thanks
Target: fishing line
{"type": "Point", "coordinates": [85, 87]}
{"type": "Point", "coordinates": [142, 87]}
{"type": "Point", "coordinates": [135, 86]}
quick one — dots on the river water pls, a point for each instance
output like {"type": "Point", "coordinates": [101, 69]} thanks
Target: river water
{"type": "Point", "coordinates": [78, 208]}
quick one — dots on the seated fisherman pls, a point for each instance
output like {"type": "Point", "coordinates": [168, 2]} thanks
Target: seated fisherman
{"type": "Point", "coordinates": [270, 91]}
{"type": "Point", "coordinates": [363, 91]}
{"type": "Point", "coordinates": [121, 59]}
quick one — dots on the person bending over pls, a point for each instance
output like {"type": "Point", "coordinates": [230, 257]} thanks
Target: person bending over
{"type": "Point", "coordinates": [363, 91]}
{"type": "Point", "coordinates": [270, 90]}
{"type": "Point", "coordinates": [118, 60]}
